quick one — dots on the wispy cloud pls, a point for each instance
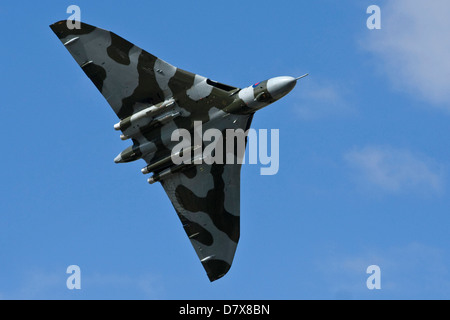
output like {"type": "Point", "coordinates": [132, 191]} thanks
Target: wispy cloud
{"type": "Point", "coordinates": [146, 285]}
{"type": "Point", "coordinates": [318, 99]}
{"type": "Point", "coordinates": [413, 48]}
{"type": "Point", "coordinates": [395, 170]}
{"type": "Point", "coordinates": [38, 285]}
{"type": "Point", "coordinates": [409, 271]}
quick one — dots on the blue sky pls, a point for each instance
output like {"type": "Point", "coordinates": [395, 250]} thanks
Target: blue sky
{"type": "Point", "coordinates": [364, 154]}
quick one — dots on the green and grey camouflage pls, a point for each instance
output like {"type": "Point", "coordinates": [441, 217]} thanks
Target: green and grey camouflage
{"type": "Point", "coordinates": [152, 99]}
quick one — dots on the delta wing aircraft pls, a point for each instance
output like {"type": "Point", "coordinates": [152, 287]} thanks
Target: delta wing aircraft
{"type": "Point", "coordinates": [153, 99]}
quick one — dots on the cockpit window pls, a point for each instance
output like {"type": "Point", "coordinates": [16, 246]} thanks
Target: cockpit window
{"type": "Point", "coordinates": [220, 86]}
{"type": "Point", "coordinates": [262, 97]}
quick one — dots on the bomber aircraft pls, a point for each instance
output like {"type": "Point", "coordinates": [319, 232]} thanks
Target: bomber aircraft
{"type": "Point", "coordinates": [152, 99]}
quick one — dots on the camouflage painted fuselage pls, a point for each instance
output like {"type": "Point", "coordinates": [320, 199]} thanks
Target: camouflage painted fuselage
{"type": "Point", "coordinates": [152, 99]}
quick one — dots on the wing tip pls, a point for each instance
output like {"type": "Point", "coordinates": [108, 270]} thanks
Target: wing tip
{"type": "Point", "coordinates": [62, 30]}
{"type": "Point", "coordinates": [54, 26]}
{"type": "Point", "coordinates": [216, 269]}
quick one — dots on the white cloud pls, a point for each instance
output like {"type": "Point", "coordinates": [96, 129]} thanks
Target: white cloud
{"type": "Point", "coordinates": [147, 284]}
{"type": "Point", "coordinates": [414, 270]}
{"type": "Point", "coordinates": [319, 99]}
{"type": "Point", "coordinates": [413, 47]}
{"type": "Point", "coordinates": [395, 170]}
{"type": "Point", "coordinates": [38, 284]}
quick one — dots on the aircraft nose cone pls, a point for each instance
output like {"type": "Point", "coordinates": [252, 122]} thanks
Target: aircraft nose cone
{"type": "Point", "coordinates": [280, 86]}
